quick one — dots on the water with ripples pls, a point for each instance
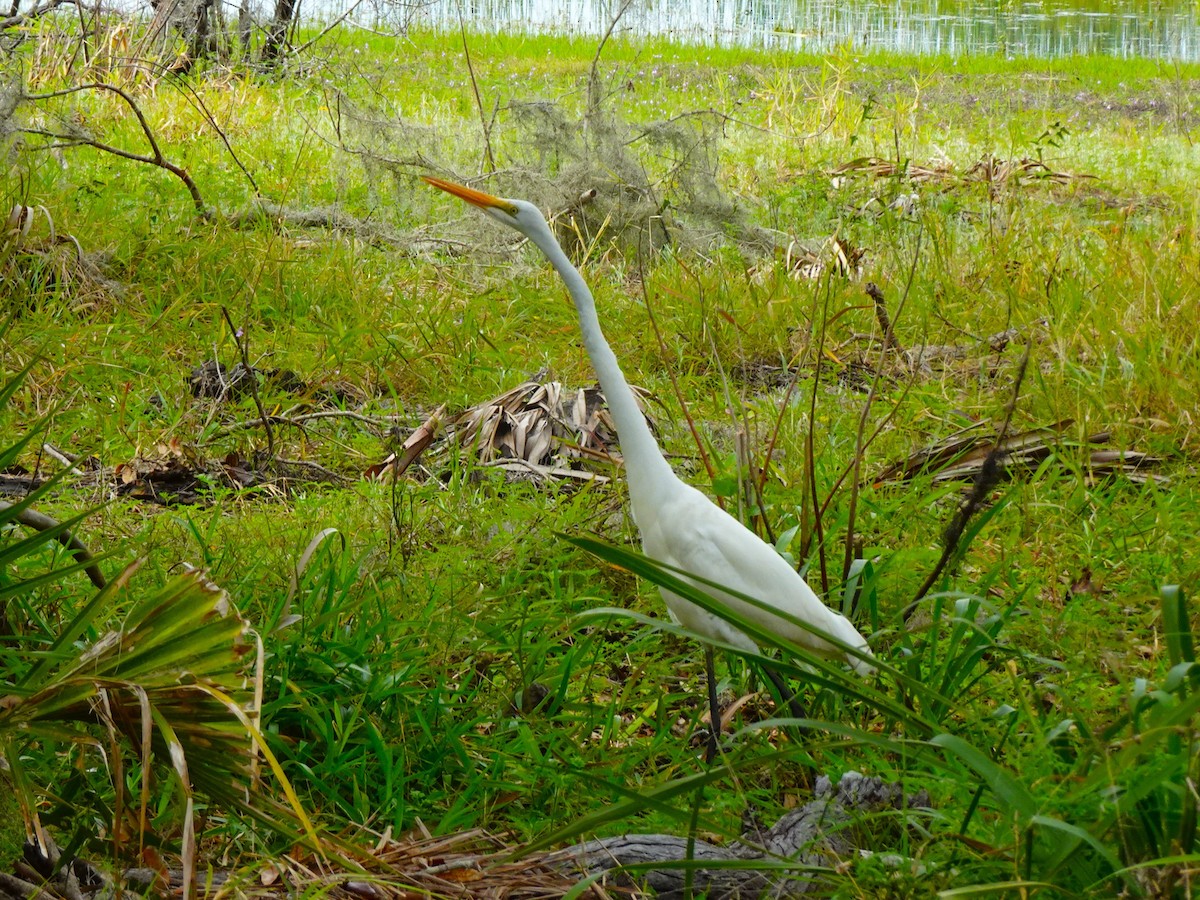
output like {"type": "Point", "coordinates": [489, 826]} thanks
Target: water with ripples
{"type": "Point", "coordinates": [1157, 29]}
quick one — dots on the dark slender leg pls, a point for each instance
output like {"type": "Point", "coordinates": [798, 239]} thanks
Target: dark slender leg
{"type": "Point", "coordinates": [714, 706]}
{"type": "Point", "coordinates": [786, 694]}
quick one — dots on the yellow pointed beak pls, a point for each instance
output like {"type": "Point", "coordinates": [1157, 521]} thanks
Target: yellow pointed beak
{"type": "Point", "coordinates": [472, 196]}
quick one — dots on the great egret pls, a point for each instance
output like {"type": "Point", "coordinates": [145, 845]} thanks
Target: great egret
{"type": "Point", "coordinates": [680, 526]}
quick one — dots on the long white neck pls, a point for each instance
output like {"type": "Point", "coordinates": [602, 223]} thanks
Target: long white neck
{"type": "Point", "coordinates": [645, 468]}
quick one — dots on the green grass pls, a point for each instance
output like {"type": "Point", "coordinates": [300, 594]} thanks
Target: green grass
{"type": "Point", "coordinates": [435, 608]}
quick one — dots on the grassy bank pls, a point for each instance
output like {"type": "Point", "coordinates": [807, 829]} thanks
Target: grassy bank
{"type": "Point", "coordinates": [440, 606]}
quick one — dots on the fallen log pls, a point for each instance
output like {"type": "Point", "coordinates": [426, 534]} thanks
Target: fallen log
{"type": "Point", "coordinates": [793, 855]}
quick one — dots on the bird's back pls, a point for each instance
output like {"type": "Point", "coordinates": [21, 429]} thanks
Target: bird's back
{"type": "Point", "coordinates": [687, 530]}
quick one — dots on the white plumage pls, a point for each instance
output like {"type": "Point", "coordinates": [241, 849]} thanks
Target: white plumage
{"type": "Point", "coordinates": [679, 525]}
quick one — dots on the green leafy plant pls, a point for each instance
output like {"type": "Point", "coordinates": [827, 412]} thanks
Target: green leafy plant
{"type": "Point", "coordinates": [146, 683]}
{"type": "Point", "coordinates": [1124, 812]}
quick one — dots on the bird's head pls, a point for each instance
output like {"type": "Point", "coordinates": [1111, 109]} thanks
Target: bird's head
{"type": "Point", "coordinates": [524, 217]}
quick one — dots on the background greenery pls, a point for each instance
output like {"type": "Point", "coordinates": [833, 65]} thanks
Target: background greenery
{"type": "Point", "coordinates": [398, 661]}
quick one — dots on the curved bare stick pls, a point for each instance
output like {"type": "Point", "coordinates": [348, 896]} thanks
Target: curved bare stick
{"type": "Point", "coordinates": [157, 159]}
{"type": "Point", "coordinates": [31, 518]}
{"type": "Point", "coordinates": [17, 19]}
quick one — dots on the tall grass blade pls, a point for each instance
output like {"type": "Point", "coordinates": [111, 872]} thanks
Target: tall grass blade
{"type": "Point", "coordinates": [1177, 629]}
{"type": "Point", "coordinates": [1006, 788]}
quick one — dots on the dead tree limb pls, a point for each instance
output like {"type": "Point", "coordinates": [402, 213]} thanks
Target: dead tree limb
{"type": "Point", "coordinates": [794, 852]}
{"type": "Point", "coordinates": [31, 518]}
{"type": "Point", "coordinates": [15, 19]}
{"type": "Point", "coordinates": [156, 157]}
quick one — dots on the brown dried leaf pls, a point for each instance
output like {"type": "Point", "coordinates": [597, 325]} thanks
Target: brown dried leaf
{"type": "Point", "coordinates": [962, 455]}
{"type": "Point", "coordinates": [1083, 584]}
{"type": "Point", "coordinates": [462, 876]}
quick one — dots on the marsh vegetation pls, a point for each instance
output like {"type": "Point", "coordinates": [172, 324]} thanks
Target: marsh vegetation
{"type": "Point", "coordinates": [855, 290]}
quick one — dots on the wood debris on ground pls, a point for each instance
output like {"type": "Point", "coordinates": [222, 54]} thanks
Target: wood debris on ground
{"type": "Point", "coordinates": [542, 430]}
{"type": "Point", "coordinates": [841, 820]}
{"type": "Point", "coordinates": [960, 457]}
{"type": "Point", "coordinates": [989, 170]}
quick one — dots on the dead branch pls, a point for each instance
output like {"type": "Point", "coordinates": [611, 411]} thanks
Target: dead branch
{"type": "Point", "coordinates": [881, 313]}
{"type": "Point", "coordinates": [793, 852]}
{"type": "Point", "coordinates": [325, 217]}
{"type": "Point", "coordinates": [155, 159]}
{"type": "Point", "coordinates": [299, 420]}
{"type": "Point", "coordinates": [978, 499]}
{"type": "Point", "coordinates": [483, 119]}
{"type": "Point", "coordinates": [349, 11]}
{"type": "Point", "coordinates": [593, 86]}
{"type": "Point", "coordinates": [31, 518]}
{"type": "Point", "coordinates": [198, 102]}
{"type": "Point", "coordinates": [16, 20]}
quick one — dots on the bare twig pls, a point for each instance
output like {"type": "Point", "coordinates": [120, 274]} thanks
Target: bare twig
{"type": "Point", "coordinates": [881, 313]}
{"type": "Point", "coordinates": [483, 120]}
{"type": "Point", "coordinates": [328, 28]}
{"type": "Point", "coordinates": [13, 20]}
{"type": "Point", "coordinates": [198, 102]}
{"type": "Point", "coordinates": [155, 159]}
{"type": "Point", "coordinates": [989, 475]}
{"type": "Point", "coordinates": [243, 345]}
{"type": "Point", "coordinates": [594, 70]}
{"type": "Point", "coordinates": [299, 420]}
{"type": "Point", "coordinates": [889, 343]}
{"type": "Point", "coordinates": [31, 518]}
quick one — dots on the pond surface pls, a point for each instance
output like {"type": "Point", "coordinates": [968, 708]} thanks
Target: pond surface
{"type": "Point", "coordinates": [1167, 30]}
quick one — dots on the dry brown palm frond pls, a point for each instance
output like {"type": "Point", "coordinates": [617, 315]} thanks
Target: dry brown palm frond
{"type": "Point", "coordinates": [995, 171]}
{"type": "Point", "coordinates": [543, 428]}
{"type": "Point", "coordinates": [811, 259]}
{"type": "Point", "coordinates": [938, 171]}
{"type": "Point", "coordinates": [960, 457]}
{"type": "Point", "coordinates": [989, 170]}
{"type": "Point", "coordinates": [38, 262]}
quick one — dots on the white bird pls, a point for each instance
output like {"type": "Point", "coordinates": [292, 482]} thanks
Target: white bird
{"type": "Point", "coordinates": [680, 526]}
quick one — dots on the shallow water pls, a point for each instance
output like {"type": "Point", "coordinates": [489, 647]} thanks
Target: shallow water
{"type": "Point", "coordinates": [1054, 28]}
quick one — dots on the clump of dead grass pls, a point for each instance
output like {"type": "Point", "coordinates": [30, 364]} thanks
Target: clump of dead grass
{"type": "Point", "coordinates": [37, 261]}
